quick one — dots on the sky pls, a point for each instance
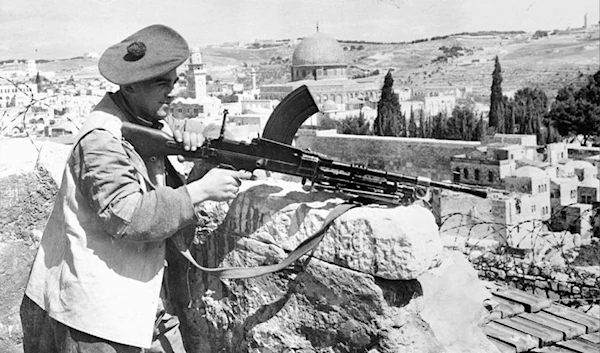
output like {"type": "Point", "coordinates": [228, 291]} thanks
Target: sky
{"type": "Point", "coordinates": [54, 29]}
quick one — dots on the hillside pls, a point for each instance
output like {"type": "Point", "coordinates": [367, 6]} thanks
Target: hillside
{"type": "Point", "coordinates": [548, 62]}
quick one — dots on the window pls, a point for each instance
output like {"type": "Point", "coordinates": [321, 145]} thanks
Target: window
{"type": "Point", "coordinates": [518, 205]}
{"type": "Point", "coordinates": [477, 174]}
{"type": "Point", "coordinates": [456, 175]}
{"type": "Point", "coordinates": [466, 173]}
{"type": "Point", "coordinates": [490, 176]}
{"type": "Point", "coordinates": [573, 194]}
{"type": "Point", "coordinates": [532, 208]}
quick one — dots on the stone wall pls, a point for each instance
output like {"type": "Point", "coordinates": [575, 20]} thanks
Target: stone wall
{"type": "Point", "coordinates": [565, 283]}
{"type": "Point", "coordinates": [412, 156]}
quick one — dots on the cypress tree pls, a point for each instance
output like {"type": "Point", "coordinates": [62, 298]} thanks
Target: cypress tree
{"type": "Point", "coordinates": [387, 122]}
{"type": "Point", "coordinates": [412, 124]}
{"type": "Point", "coordinates": [496, 97]}
{"type": "Point", "coordinates": [422, 127]}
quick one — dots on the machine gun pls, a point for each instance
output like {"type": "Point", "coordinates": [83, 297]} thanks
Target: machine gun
{"type": "Point", "coordinates": [273, 152]}
{"type": "Point", "coordinates": [365, 184]}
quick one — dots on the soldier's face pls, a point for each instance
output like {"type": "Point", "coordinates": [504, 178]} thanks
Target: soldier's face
{"type": "Point", "coordinates": [151, 99]}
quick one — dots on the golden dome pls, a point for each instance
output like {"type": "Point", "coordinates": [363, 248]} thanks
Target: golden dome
{"type": "Point", "coordinates": [318, 49]}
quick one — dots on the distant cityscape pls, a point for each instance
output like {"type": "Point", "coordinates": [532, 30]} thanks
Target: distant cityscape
{"type": "Point", "coordinates": [540, 183]}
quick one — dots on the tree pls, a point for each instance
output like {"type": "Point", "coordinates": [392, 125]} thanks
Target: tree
{"type": "Point", "coordinates": [412, 124]}
{"type": "Point", "coordinates": [422, 125]}
{"type": "Point", "coordinates": [387, 122]}
{"type": "Point", "coordinates": [527, 110]}
{"type": "Point", "coordinates": [354, 125]}
{"type": "Point", "coordinates": [480, 129]}
{"type": "Point", "coordinates": [577, 112]}
{"type": "Point", "coordinates": [461, 125]}
{"type": "Point", "coordinates": [496, 98]}
{"type": "Point", "coordinates": [438, 129]}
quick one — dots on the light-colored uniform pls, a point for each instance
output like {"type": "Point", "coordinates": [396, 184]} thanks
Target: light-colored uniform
{"type": "Point", "coordinates": [99, 268]}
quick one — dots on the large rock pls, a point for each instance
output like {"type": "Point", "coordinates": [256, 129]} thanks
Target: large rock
{"type": "Point", "coordinates": [393, 243]}
{"type": "Point", "coordinates": [452, 305]}
{"type": "Point", "coordinates": [27, 199]}
{"type": "Point", "coordinates": [373, 284]}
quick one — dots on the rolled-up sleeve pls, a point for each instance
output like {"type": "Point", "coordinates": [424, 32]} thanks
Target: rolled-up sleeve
{"type": "Point", "coordinates": [109, 182]}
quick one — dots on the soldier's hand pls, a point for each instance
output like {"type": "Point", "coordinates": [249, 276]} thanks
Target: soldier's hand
{"type": "Point", "coordinates": [217, 185]}
{"type": "Point", "coordinates": [190, 140]}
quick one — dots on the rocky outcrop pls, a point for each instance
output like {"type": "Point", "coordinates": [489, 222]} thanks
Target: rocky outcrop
{"type": "Point", "coordinates": [379, 281]}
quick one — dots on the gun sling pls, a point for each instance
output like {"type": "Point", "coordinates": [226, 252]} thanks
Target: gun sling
{"type": "Point", "coordinates": [248, 272]}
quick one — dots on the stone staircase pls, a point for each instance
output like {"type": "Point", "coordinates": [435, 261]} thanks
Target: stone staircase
{"type": "Point", "coordinates": [523, 322]}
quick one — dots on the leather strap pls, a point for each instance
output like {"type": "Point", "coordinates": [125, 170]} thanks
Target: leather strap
{"type": "Point", "coordinates": [250, 272]}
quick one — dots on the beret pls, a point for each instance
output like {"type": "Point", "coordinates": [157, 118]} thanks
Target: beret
{"type": "Point", "coordinates": [151, 52]}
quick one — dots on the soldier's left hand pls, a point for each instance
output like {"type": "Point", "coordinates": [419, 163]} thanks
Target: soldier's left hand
{"type": "Point", "coordinates": [190, 140]}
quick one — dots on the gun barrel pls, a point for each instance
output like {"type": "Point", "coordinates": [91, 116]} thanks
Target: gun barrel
{"type": "Point", "coordinates": [401, 178]}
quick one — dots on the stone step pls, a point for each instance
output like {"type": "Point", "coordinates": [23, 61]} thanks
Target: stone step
{"type": "Point", "coordinates": [591, 323]}
{"type": "Point", "coordinates": [507, 307]}
{"type": "Point", "coordinates": [519, 340]}
{"type": "Point", "coordinates": [552, 349]}
{"type": "Point", "coordinates": [503, 347]}
{"type": "Point", "coordinates": [592, 337]}
{"type": "Point", "coordinates": [546, 334]}
{"type": "Point", "coordinates": [580, 346]}
{"type": "Point", "coordinates": [532, 303]}
{"type": "Point", "coordinates": [569, 328]}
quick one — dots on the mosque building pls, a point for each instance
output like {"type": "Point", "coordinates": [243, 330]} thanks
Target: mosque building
{"type": "Point", "coordinates": [318, 62]}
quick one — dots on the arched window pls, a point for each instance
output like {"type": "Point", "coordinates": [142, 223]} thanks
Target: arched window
{"type": "Point", "coordinates": [491, 176]}
{"type": "Point", "coordinates": [456, 175]}
{"type": "Point", "coordinates": [466, 173]}
{"type": "Point", "coordinates": [477, 174]}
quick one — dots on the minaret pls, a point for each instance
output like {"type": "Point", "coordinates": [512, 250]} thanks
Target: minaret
{"type": "Point", "coordinates": [585, 21]}
{"type": "Point", "coordinates": [196, 75]}
{"type": "Point", "coordinates": [253, 75]}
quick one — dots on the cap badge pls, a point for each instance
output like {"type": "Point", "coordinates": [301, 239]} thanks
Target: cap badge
{"type": "Point", "coordinates": [135, 51]}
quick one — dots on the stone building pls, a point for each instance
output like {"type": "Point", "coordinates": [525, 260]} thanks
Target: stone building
{"type": "Point", "coordinates": [535, 183]}
{"type": "Point", "coordinates": [547, 187]}
{"type": "Point", "coordinates": [318, 62]}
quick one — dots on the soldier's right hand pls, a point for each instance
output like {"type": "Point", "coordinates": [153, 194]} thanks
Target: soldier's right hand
{"type": "Point", "coordinates": [217, 185]}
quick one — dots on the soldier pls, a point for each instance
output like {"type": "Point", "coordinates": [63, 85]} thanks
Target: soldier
{"type": "Point", "coordinates": [97, 281]}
